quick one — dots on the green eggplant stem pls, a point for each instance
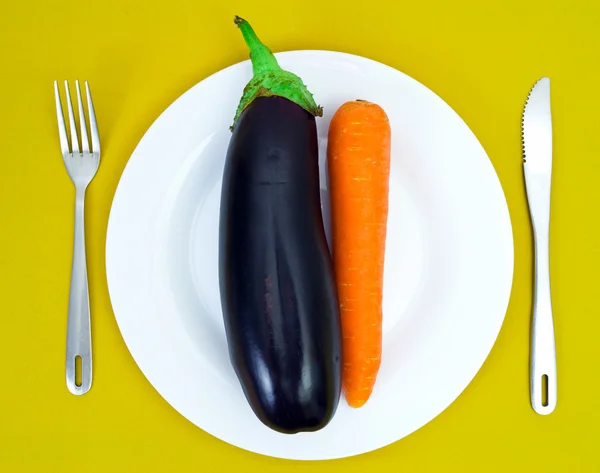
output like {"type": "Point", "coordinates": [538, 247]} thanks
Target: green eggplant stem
{"type": "Point", "coordinates": [269, 78]}
{"type": "Point", "coordinates": [261, 56]}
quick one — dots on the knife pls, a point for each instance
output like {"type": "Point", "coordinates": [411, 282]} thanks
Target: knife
{"type": "Point", "coordinates": [537, 165]}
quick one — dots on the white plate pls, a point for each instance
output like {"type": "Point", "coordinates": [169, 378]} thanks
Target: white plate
{"type": "Point", "coordinates": [448, 268]}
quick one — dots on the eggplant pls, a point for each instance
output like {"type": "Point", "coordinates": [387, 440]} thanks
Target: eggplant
{"type": "Point", "coordinates": [278, 293]}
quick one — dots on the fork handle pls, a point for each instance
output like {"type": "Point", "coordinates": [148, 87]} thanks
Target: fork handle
{"type": "Point", "coordinates": [79, 340]}
{"type": "Point", "coordinates": [543, 351]}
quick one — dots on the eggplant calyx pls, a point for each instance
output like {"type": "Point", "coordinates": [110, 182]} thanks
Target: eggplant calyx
{"type": "Point", "coordinates": [269, 78]}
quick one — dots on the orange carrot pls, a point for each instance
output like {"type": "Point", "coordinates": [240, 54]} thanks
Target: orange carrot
{"type": "Point", "coordinates": [359, 170]}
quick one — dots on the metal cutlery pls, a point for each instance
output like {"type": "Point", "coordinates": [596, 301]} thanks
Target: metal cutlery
{"type": "Point", "coordinates": [537, 154]}
{"type": "Point", "coordinates": [82, 164]}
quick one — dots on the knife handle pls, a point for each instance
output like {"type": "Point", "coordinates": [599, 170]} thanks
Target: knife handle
{"type": "Point", "coordinates": [543, 351]}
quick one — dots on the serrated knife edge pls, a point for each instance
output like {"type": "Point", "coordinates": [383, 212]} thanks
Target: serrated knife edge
{"type": "Point", "coordinates": [536, 128]}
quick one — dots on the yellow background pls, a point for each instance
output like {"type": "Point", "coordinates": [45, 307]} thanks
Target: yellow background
{"type": "Point", "coordinates": [139, 55]}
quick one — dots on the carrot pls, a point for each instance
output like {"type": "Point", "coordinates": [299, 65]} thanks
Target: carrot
{"type": "Point", "coordinates": [359, 169]}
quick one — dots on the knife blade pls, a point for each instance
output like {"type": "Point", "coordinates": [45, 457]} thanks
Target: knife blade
{"type": "Point", "coordinates": [537, 164]}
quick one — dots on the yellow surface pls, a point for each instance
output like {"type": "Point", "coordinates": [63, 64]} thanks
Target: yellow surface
{"type": "Point", "coordinates": [139, 55]}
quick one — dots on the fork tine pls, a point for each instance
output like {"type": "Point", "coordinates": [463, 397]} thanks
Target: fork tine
{"type": "Point", "coordinates": [74, 140]}
{"type": "Point", "coordinates": [93, 124]}
{"type": "Point", "coordinates": [62, 130]}
{"type": "Point", "coordinates": [85, 147]}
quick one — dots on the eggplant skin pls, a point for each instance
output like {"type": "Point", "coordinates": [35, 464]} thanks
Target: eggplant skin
{"type": "Point", "coordinates": [278, 292]}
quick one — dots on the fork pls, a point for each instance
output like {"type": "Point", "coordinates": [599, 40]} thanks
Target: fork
{"type": "Point", "coordinates": [81, 166]}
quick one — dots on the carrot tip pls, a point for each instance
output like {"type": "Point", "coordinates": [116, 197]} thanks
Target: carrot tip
{"type": "Point", "coordinates": [355, 403]}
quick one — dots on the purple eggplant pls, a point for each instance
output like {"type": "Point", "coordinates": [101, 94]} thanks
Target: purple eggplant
{"type": "Point", "coordinates": [278, 292]}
